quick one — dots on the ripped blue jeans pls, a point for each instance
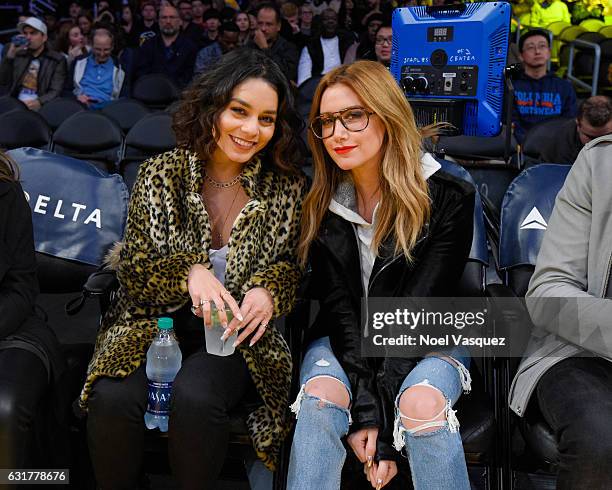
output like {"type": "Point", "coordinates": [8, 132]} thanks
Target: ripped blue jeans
{"type": "Point", "coordinates": [436, 458]}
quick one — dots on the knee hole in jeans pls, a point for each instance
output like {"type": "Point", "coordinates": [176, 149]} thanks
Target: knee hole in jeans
{"type": "Point", "coordinates": [329, 390]}
{"type": "Point", "coordinates": [422, 403]}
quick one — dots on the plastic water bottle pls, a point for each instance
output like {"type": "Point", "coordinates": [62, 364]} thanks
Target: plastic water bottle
{"type": "Point", "coordinates": [163, 362]}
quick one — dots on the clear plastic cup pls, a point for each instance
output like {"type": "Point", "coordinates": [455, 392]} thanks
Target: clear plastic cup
{"type": "Point", "coordinates": [214, 344]}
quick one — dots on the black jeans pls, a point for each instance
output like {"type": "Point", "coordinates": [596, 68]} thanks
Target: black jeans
{"type": "Point", "coordinates": [575, 398]}
{"type": "Point", "coordinates": [206, 389]}
{"type": "Point", "coordinates": [23, 384]}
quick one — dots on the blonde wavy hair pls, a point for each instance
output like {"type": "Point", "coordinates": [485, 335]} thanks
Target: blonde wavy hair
{"type": "Point", "coordinates": [405, 205]}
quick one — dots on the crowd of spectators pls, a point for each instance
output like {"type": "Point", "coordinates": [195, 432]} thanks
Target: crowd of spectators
{"type": "Point", "coordinates": [98, 58]}
{"type": "Point", "coordinates": [57, 56]}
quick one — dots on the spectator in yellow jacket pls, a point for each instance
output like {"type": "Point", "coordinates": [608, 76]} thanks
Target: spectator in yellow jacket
{"type": "Point", "coordinates": [545, 12]}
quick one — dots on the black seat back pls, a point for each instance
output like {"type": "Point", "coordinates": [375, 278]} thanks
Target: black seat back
{"type": "Point", "coordinates": [126, 112]}
{"type": "Point", "coordinates": [58, 110]}
{"type": "Point", "coordinates": [542, 135]}
{"type": "Point", "coordinates": [90, 136]}
{"type": "Point", "coordinates": [24, 128]}
{"type": "Point", "coordinates": [156, 90]}
{"type": "Point", "coordinates": [8, 103]}
{"type": "Point", "coordinates": [150, 136]}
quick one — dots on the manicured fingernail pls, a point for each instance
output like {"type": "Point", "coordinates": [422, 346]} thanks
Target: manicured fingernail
{"type": "Point", "coordinates": [379, 483]}
{"type": "Point", "coordinates": [235, 344]}
{"type": "Point", "coordinates": [225, 335]}
{"type": "Point", "coordinates": [240, 317]}
{"type": "Point", "coordinates": [224, 324]}
{"type": "Point", "coordinates": [369, 461]}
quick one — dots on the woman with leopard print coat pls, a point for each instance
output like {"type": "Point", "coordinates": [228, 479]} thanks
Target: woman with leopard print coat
{"type": "Point", "coordinates": [214, 221]}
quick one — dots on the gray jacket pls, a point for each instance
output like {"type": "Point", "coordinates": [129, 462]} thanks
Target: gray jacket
{"type": "Point", "coordinates": [51, 77]}
{"type": "Point", "coordinates": [574, 262]}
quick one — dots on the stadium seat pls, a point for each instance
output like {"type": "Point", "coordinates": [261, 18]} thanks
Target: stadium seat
{"type": "Point", "coordinates": [150, 136]}
{"type": "Point", "coordinates": [156, 91]}
{"type": "Point", "coordinates": [605, 69]}
{"type": "Point", "coordinates": [592, 25]}
{"type": "Point", "coordinates": [58, 110]}
{"type": "Point", "coordinates": [606, 31]}
{"type": "Point", "coordinates": [543, 134]}
{"type": "Point", "coordinates": [557, 27]}
{"type": "Point", "coordinates": [90, 136]}
{"type": "Point", "coordinates": [527, 207]}
{"type": "Point", "coordinates": [570, 33]}
{"type": "Point", "coordinates": [69, 247]}
{"type": "Point", "coordinates": [475, 147]}
{"type": "Point", "coordinates": [20, 128]}
{"type": "Point", "coordinates": [126, 112]}
{"type": "Point", "coordinates": [8, 104]}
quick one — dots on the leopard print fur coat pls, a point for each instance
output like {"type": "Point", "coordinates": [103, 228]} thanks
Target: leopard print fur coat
{"type": "Point", "coordinates": [168, 231]}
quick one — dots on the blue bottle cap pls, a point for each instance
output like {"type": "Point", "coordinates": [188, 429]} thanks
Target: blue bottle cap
{"type": "Point", "coordinates": [164, 323]}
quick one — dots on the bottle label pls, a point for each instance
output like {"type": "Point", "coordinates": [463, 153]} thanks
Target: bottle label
{"type": "Point", "coordinates": [158, 402]}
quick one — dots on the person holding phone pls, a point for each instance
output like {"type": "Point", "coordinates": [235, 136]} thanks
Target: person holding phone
{"type": "Point", "coordinates": [34, 73]}
{"type": "Point", "coordinates": [213, 222]}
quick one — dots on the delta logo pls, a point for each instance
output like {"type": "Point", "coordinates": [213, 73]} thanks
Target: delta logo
{"type": "Point", "coordinates": [534, 221]}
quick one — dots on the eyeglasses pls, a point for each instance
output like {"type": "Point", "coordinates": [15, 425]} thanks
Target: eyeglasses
{"type": "Point", "coordinates": [533, 47]}
{"type": "Point", "coordinates": [354, 119]}
{"type": "Point", "coordinates": [382, 40]}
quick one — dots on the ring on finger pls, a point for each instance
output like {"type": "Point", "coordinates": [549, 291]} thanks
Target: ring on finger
{"type": "Point", "coordinates": [264, 325]}
{"type": "Point", "coordinates": [204, 302]}
{"type": "Point", "coordinates": [195, 308]}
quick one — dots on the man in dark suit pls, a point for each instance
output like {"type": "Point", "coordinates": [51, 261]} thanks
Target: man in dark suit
{"type": "Point", "coordinates": [170, 53]}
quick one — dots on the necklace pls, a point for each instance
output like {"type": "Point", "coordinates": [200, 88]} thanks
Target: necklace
{"type": "Point", "coordinates": [222, 185]}
{"type": "Point", "coordinates": [219, 234]}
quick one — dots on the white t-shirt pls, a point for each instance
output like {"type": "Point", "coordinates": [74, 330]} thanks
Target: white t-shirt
{"type": "Point", "coordinates": [331, 59]}
{"type": "Point", "coordinates": [218, 259]}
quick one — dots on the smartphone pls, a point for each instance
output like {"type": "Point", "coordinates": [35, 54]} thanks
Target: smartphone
{"type": "Point", "coordinates": [19, 40]}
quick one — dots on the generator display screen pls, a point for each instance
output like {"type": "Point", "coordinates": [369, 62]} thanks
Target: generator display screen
{"type": "Point", "coordinates": [440, 34]}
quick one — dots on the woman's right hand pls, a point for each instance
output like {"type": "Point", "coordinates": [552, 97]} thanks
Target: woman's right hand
{"type": "Point", "coordinates": [204, 289]}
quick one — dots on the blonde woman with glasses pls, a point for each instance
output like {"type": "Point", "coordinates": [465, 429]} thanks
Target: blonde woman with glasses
{"type": "Point", "coordinates": [381, 220]}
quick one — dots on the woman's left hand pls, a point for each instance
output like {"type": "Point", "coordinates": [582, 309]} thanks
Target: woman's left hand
{"type": "Point", "coordinates": [257, 309]}
{"type": "Point", "coordinates": [381, 473]}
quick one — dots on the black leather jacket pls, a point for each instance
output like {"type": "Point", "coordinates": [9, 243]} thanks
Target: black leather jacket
{"type": "Point", "coordinates": [439, 259]}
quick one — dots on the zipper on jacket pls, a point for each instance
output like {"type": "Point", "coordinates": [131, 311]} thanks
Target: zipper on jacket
{"type": "Point", "coordinates": [363, 286]}
{"type": "Point", "coordinates": [606, 284]}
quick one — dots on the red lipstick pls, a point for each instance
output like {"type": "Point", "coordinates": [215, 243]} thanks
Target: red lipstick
{"type": "Point", "coordinates": [343, 149]}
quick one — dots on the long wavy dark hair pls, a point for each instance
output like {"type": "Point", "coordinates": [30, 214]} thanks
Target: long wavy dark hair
{"type": "Point", "coordinates": [196, 119]}
{"type": "Point", "coordinates": [8, 168]}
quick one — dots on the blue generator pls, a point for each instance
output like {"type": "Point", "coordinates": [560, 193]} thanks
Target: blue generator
{"type": "Point", "coordinates": [450, 60]}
